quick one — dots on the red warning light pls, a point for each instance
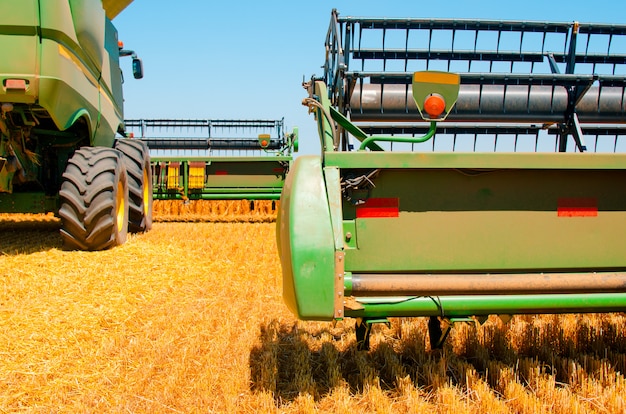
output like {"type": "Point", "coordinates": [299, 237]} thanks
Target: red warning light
{"type": "Point", "coordinates": [434, 105]}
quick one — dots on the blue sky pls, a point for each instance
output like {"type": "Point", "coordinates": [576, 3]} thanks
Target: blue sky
{"type": "Point", "coordinates": [208, 59]}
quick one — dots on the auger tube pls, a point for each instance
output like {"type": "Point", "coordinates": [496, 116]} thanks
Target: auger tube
{"type": "Point", "coordinates": [376, 284]}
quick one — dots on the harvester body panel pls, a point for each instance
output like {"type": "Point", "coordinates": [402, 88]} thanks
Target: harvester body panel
{"type": "Point", "coordinates": [511, 216]}
{"type": "Point", "coordinates": [501, 195]}
{"type": "Point", "coordinates": [306, 240]}
{"type": "Point", "coordinates": [62, 75]}
{"type": "Point", "coordinates": [61, 91]}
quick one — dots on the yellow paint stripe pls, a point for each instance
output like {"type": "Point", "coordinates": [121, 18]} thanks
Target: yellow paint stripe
{"type": "Point", "coordinates": [114, 7]}
{"type": "Point", "coordinates": [437, 77]}
{"type": "Point", "coordinates": [67, 54]}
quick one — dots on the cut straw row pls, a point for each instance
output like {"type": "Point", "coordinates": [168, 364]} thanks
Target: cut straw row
{"type": "Point", "coordinates": [225, 211]}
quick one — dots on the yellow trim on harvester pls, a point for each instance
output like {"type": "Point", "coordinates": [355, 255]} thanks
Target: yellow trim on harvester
{"type": "Point", "coordinates": [114, 7]}
{"type": "Point", "coordinates": [437, 77]}
{"type": "Point", "coordinates": [67, 54]}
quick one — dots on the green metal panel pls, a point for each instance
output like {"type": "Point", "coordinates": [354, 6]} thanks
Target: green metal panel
{"type": "Point", "coordinates": [112, 82]}
{"type": "Point", "coordinates": [61, 58]}
{"type": "Point", "coordinates": [254, 178]}
{"type": "Point", "coordinates": [306, 242]}
{"type": "Point", "coordinates": [492, 220]}
{"type": "Point", "coordinates": [19, 43]}
{"type": "Point", "coordinates": [72, 70]}
{"type": "Point", "coordinates": [461, 306]}
{"type": "Point", "coordinates": [245, 174]}
{"type": "Point", "coordinates": [28, 203]}
{"type": "Point", "coordinates": [477, 160]}
{"type": "Point", "coordinates": [333, 195]}
{"type": "Point", "coordinates": [89, 20]}
{"type": "Point", "coordinates": [326, 134]}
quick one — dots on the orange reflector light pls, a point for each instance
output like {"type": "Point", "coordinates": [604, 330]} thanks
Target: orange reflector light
{"type": "Point", "coordinates": [120, 44]}
{"type": "Point", "coordinates": [16, 84]}
{"type": "Point", "coordinates": [434, 105]}
{"type": "Point", "coordinates": [264, 140]}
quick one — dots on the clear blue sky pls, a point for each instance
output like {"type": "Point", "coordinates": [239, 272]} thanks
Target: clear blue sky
{"type": "Point", "coordinates": [207, 59]}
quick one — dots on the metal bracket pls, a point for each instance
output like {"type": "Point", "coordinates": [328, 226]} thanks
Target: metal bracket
{"type": "Point", "coordinates": [339, 287]}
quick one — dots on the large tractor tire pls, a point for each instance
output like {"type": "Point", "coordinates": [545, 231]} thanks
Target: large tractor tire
{"type": "Point", "coordinates": [94, 200]}
{"type": "Point", "coordinates": [140, 198]}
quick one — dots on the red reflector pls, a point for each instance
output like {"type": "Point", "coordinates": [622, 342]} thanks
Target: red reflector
{"type": "Point", "coordinates": [279, 170]}
{"type": "Point", "coordinates": [378, 207]}
{"type": "Point", "coordinates": [18, 84]}
{"type": "Point", "coordinates": [221, 172]}
{"type": "Point", "coordinates": [577, 207]}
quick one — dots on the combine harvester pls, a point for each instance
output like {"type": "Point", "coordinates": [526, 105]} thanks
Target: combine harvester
{"type": "Point", "coordinates": [63, 145]}
{"type": "Point", "coordinates": [514, 205]}
{"type": "Point", "coordinates": [216, 170]}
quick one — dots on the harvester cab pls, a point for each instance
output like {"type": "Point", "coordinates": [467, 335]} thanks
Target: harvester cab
{"type": "Point", "coordinates": [468, 168]}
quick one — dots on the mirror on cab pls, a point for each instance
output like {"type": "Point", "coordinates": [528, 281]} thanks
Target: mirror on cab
{"type": "Point", "coordinates": [137, 68]}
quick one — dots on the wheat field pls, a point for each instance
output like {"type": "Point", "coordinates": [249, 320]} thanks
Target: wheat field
{"type": "Point", "coordinates": [189, 318]}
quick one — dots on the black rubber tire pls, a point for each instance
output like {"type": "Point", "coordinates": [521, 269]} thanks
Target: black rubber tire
{"type": "Point", "coordinates": [94, 200]}
{"type": "Point", "coordinates": [140, 197]}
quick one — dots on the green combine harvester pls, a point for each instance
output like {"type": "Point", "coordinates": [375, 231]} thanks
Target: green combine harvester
{"type": "Point", "coordinates": [468, 168]}
{"type": "Point", "coordinates": [63, 145]}
{"type": "Point", "coordinates": [204, 159]}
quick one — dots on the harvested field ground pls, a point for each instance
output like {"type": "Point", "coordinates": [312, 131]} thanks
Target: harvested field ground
{"type": "Point", "coordinates": [189, 318]}
{"type": "Point", "coordinates": [217, 211]}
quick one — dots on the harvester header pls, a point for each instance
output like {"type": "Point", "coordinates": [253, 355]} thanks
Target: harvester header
{"type": "Point", "coordinates": [203, 159]}
{"type": "Point", "coordinates": [458, 158]}
{"type": "Point", "coordinates": [217, 169]}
